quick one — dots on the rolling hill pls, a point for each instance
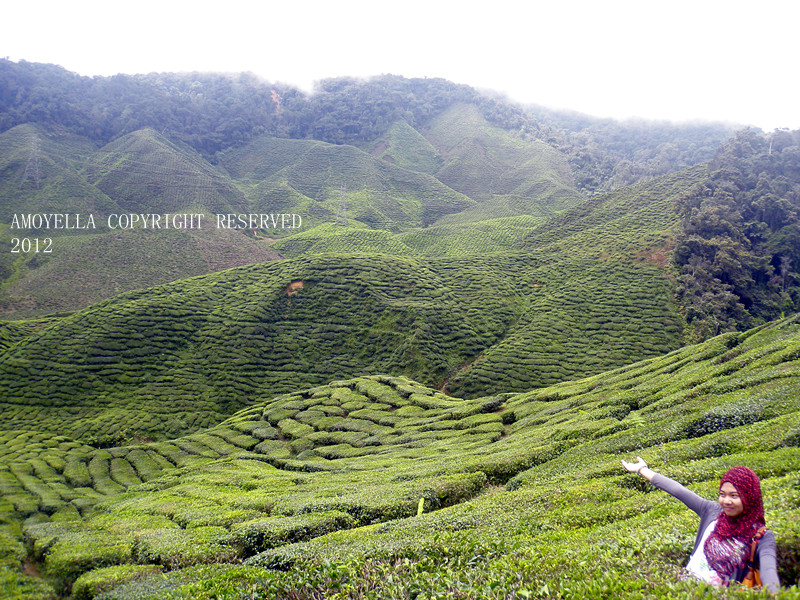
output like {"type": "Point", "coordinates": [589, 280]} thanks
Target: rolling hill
{"type": "Point", "coordinates": [84, 269]}
{"type": "Point", "coordinates": [323, 183]}
{"type": "Point", "coordinates": [40, 173]}
{"type": "Point", "coordinates": [426, 390]}
{"type": "Point", "coordinates": [181, 356]}
{"type": "Point", "coordinates": [487, 163]}
{"type": "Point", "coordinates": [381, 486]}
{"type": "Point", "coordinates": [310, 177]}
{"type": "Point", "coordinates": [146, 173]}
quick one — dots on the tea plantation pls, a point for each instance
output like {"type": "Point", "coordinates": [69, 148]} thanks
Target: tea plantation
{"type": "Point", "coordinates": [180, 357]}
{"type": "Point", "coordinates": [380, 487]}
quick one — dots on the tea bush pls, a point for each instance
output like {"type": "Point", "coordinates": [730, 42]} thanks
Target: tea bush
{"type": "Point", "coordinates": [724, 417]}
{"type": "Point", "coordinates": [175, 548]}
{"type": "Point", "coordinates": [262, 534]}
{"type": "Point", "coordinates": [18, 586]}
{"type": "Point", "coordinates": [92, 584]}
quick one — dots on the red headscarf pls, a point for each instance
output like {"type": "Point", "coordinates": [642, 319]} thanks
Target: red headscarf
{"type": "Point", "coordinates": [727, 548]}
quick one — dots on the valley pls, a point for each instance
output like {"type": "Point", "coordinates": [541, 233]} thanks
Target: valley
{"type": "Point", "coordinates": [424, 386]}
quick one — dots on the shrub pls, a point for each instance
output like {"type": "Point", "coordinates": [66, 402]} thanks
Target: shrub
{"type": "Point", "coordinates": [18, 586]}
{"type": "Point", "coordinates": [726, 416]}
{"type": "Point", "coordinates": [262, 534]}
{"type": "Point", "coordinates": [175, 548]}
{"type": "Point", "coordinates": [91, 584]}
{"type": "Point", "coordinates": [76, 553]}
{"type": "Point", "coordinates": [792, 439]}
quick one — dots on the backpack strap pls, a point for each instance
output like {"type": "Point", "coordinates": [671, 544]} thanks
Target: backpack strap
{"type": "Point", "coordinates": [756, 537]}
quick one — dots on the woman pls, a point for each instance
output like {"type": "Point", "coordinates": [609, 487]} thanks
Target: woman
{"type": "Point", "coordinates": [727, 527]}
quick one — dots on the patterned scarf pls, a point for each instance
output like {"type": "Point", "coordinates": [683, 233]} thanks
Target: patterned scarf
{"type": "Point", "coordinates": [728, 546]}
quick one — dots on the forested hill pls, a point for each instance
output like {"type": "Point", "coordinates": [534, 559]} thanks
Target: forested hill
{"type": "Point", "coordinates": [738, 243]}
{"type": "Point", "coordinates": [212, 112]}
{"type": "Point", "coordinates": [430, 167]}
{"type": "Point", "coordinates": [606, 154]}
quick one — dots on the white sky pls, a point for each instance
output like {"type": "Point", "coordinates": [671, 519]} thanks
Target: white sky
{"type": "Point", "coordinates": [678, 60]}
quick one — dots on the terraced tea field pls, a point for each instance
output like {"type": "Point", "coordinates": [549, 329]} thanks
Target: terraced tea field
{"type": "Point", "coordinates": [310, 177]}
{"type": "Point", "coordinates": [381, 487]}
{"type": "Point", "coordinates": [177, 358]}
{"type": "Point", "coordinates": [144, 172]}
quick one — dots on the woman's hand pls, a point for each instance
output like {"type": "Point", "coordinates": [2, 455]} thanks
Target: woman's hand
{"type": "Point", "coordinates": [639, 467]}
{"type": "Point", "coordinates": [634, 467]}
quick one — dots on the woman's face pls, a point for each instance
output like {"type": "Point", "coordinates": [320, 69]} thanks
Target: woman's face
{"type": "Point", "coordinates": [730, 501]}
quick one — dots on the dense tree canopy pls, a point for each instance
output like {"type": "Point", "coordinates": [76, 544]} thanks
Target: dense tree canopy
{"type": "Point", "coordinates": [212, 112]}
{"type": "Point", "coordinates": [738, 251]}
{"type": "Point", "coordinates": [606, 154]}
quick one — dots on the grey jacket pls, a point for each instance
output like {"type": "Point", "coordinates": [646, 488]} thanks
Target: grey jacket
{"type": "Point", "coordinates": [766, 551]}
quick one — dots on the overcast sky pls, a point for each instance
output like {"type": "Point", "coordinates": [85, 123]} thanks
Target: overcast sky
{"type": "Point", "coordinates": [677, 60]}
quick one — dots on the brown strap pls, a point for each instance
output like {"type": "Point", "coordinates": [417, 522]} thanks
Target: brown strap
{"type": "Point", "coordinates": [756, 537]}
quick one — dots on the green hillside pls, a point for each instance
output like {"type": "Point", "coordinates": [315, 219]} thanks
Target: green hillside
{"type": "Point", "coordinates": [309, 178]}
{"type": "Point", "coordinates": [473, 238]}
{"type": "Point", "coordinates": [445, 170]}
{"type": "Point", "coordinates": [40, 173]}
{"type": "Point", "coordinates": [44, 172]}
{"type": "Point", "coordinates": [179, 357]}
{"type": "Point", "coordinates": [349, 237]}
{"type": "Point", "coordinates": [635, 222]}
{"type": "Point", "coordinates": [182, 356]}
{"type": "Point", "coordinates": [85, 269]}
{"type": "Point", "coordinates": [522, 181]}
{"type": "Point", "coordinates": [484, 162]}
{"type": "Point", "coordinates": [381, 487]}
{"type": "Point", "coordinates": [406, 147]}
{"type": "Point", "coordinates": [146, 173]}
{"type": "Point", "coordinates": [633, 225]}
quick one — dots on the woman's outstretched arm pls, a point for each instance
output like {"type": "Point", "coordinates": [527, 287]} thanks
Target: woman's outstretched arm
{"type": "Point", "coordinates": [696, 503]}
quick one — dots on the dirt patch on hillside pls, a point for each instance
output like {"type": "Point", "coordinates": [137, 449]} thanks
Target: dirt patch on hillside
{"type": "Point", "coordinates": [659, 257]}
{"type": "Point", "coordinates": [379, 148]}
{"type": "Point", "coordinates": [293, 288]}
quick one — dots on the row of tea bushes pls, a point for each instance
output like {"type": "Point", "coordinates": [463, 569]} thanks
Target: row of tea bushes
{"type": "Point", "coordinates": [181, 357]}
{"type": "Point", "coordinates": [215, 496]}
{"type": "Point", "coordinates": [513, 493]}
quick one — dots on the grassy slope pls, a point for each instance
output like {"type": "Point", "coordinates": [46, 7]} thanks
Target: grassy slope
{"type": "Point", "coordinates": [517, 184]}
{"type": "Point", "coordinates": [350, 237]}
{"type": "Point", "coordinates": [84, 269]}
{"type": "Point", "coordinates": [187, 354]}
{"type": "Point", "coordinates": [61, 188]}
{"type": "Point", "coordinates": [318, 490]}
{"type": "Point", "coordinates": [405, 147]}
{"type": "Point", "coordinates": [599, 290]}
{"type": "Point", "coordinates": [632, 225]}
{"type": "Point", "coordinates": [635, 222]}
{"type": "Point", "coordinates": [178, 357]}
{"type": "Point", "coordinates": [39, 170]}
{"type": "Point", "coordinates": [86, 266]}
{"type": "Point", "coordinates": [307, 177]}
{"type": "Point", "coordinates": [183, 356]}
{"type": "Point", "coordinates": [487, 163]}
{"type": "Point", "coordinates": [144, 172]}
